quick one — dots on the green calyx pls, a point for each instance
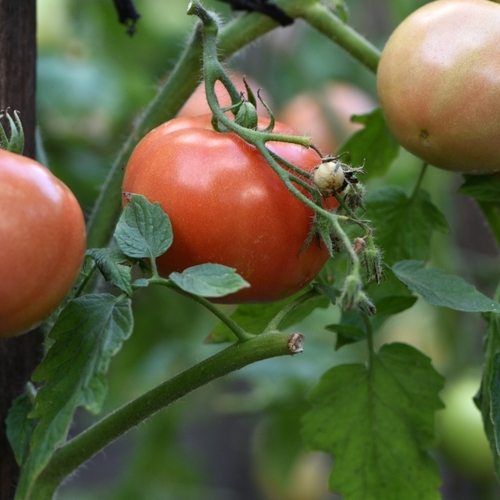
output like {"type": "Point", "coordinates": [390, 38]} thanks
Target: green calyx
{"type": "Point", "coordinates": [14, 144]}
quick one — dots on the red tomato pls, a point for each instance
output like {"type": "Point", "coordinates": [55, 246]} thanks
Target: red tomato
{"type": "Point", "coordinates": [326, 114]}
{"type": "Point", "coordinates": [439, 84]}
{"type": "Point", "coordinates": [42, 231]}
{"type": "Point", "coordinates": [227, 206]}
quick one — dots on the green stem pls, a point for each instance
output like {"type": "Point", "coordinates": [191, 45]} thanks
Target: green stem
{"type": "Point", "coordinates": [241, 334]}
{"type": "Point", "coordinates": [82, 447]}
{"type": "Point", "coordinates": [276, 322]}
{"type": "Point", "coordinates": [369, 337]}
{"type": "Point", "coordinates": [418, 184]}
{"type": "Point", "coordinates": [326, 22]}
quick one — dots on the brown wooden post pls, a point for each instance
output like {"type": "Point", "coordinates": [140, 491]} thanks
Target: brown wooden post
{"type": "Point", "coordinates": [18, 355]}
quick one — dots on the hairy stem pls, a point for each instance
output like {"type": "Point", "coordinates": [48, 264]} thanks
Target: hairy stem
{"type": "Point", "coordinates": [81, 448]}
{"type": "Point", "coordinates": [241, 334]}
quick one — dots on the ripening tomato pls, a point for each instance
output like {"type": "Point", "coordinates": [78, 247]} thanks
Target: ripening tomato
{"type": "Point", "coordinates": [438, 83]}
{"type": "Point", "coordinates": [326, 113]}
{"type": "Point", "coordinates": [227, 206]}
{"type": "Point", "coordinates": [42, 235]}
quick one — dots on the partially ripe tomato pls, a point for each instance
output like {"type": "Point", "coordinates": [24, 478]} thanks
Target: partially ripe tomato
{"type": "Point", "coordinates": [438, 83]}
{"type": "Point", "coordinates": [42, 235]}
{"type": "Point", "coordinates": [227, 206]}
{"type": "Point", "coordinates": [326, 114]}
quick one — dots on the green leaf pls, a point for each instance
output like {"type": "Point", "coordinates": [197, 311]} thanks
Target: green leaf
{"type": "Point", "coordinates": [254, 318]}
{"type": "Point", "coordinates": [327, 291]}
{"type": "Point", "coordinates": [209, 280]}
{"type": "Point", "coordinates": [372, 420]}
{"type": "Point", "coordinates": [88, 332]}
{"type": "Point", "coordinates": [404, 226]}
{"type": "Point", "coordinates": [488, 398]}
{"type": "Point", "coordinates": [482, 188]}
{"type": "Point", "coordinates": [114, 266]}
{"type": "Point", "coordinates": [346, 334]}
{"type": "Point", "coordinates": [144, 229]}
{"type": "Point", "coordinates": [374, 146]}
{"type": "Point", "coordinates": [440, 289]}
{"type": "Point", "coordinates": [19, 426]}
{"type": "Point", "coordinates": [494, 393]}
{"type": "Point", "coordinates": [388, 306]}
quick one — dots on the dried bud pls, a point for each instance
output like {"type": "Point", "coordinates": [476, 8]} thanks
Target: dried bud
{"type": "Point", "coordinates": [359, 245]}
{"type": "Point", "coordinates": [329, 177]}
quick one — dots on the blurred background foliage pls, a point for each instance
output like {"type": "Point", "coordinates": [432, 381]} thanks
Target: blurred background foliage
{"type": "Point", "coordinates": [239, 438]}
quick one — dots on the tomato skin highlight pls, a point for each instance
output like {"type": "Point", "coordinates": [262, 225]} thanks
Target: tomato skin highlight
{"type": "Point", "coordinates": [42, 235]}
{"type": "Point", "coordinates": [438, 83]}
{"type": "Point", "coordinates": [227, 206]}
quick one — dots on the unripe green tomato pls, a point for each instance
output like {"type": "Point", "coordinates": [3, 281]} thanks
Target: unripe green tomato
{"type": "Point", "coordinates": [438, 83]}
{"type": "Point", "coordinates": [42, 235]}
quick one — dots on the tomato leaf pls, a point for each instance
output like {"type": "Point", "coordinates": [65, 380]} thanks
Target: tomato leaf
{"type": "Point", "coordinates": [404, 225]}
{"type": "Point", "coordinates": [440, 289]}
{"type": "Point", "coordinates": [144, 229]}
{"type": "Point", "coordinates": [114, 266]}
{"type": "Point", "coordinates": [482, 188]}
{"type": "Point", "coordinates": [346, 334]}
{"type": "Point", "coordinates": [253, 318]}
{"type": "Point", "coordinates": [373, 419]}
{"type": "Point", "coordinates": [209, 280]}
{"type": "Point", "coordinates": [494, 396]}
{"type": "Point", "coordinates": [488, 398]}
{"type": "Point", "coordinates": [19, 426]}
{"type": "Point", "coordinates": [374, 146]}
{"type": "Point", "coordinates": [327, 291]}
{"type": "Point", "coordinates": [88, 332]}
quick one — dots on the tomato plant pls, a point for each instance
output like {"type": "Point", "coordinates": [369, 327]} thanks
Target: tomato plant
{"type": "Point", "coordinates": [438, 84]}
{"type": "Point", "coordinates": [228, 207]}
{"type": "Point", "coordinates": [232, 198]}
{"type": "Point", "coordinates": [42, 230]}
